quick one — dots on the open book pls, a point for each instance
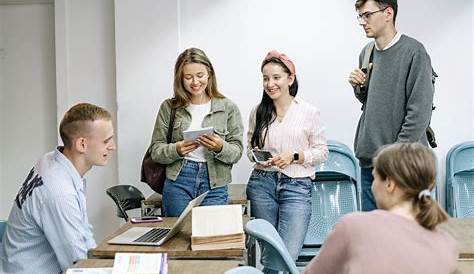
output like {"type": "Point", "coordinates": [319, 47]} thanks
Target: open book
{"type": "Point", "coordinates": [140, 263]}
{"type": "Point", "coordinates": [217, 227]}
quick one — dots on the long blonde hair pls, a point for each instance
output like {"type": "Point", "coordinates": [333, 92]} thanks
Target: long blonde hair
{"type": "Point", "coordinates": [412, 167]}
{"type": "Point", "coordinates": [182, 98]}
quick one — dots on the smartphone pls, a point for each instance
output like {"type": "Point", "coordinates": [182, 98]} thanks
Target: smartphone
{"type": "Point", "coordinates": [146, 219]}
{"type": "Point", "coordinates": [261, 156]}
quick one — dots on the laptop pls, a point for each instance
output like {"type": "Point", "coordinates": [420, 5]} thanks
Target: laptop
{"type": "Point", "coordinates": [155, 236]}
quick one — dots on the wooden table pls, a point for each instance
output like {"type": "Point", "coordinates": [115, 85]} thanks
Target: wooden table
{"type": "Point", "coordinates": [462, 229]}
{"type": "Point", "coordinates": [179, 246]}
{"type": "Point", "coordinates": [237, 195]}
{"type": "Point", "coordinates": [174, 266]}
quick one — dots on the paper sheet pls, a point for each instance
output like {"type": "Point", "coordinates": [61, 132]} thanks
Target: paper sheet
{"type": "Point", "coordinates": [96, 270]}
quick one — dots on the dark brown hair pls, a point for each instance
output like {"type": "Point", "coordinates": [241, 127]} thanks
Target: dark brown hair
{"type": "Point", "coordinates": [266, 111]}
{"type": "Point", "coordinates": [381, 4]}
{"type": "Point", "coordinates": [412, 167]}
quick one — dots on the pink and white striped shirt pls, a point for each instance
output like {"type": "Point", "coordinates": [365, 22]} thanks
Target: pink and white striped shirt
{"type": "Point", "coordinates": [300, 130]}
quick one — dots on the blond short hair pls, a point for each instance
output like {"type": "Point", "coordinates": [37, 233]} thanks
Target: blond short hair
{"type": "Point", "coordinates": [75, 120]}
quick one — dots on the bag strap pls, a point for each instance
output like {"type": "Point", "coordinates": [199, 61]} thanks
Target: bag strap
{"type": "Point", "coordinates": [171, 125]}
{"type": "Point", "coordinates": [369, 49]}
{"type": "Point", "coordinates": [368, 53]}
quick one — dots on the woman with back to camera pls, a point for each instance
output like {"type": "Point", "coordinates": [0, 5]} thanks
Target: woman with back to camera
{"type": "Point", "coordinates": [400, 237]}
{"type": "Point", "coordinates": [196, 166]}
{"type": "Point", "coordinates": [279, 189]}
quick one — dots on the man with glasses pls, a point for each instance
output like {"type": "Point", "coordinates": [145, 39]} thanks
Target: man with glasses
{"type": "Point", "coordinates": [397, 98]}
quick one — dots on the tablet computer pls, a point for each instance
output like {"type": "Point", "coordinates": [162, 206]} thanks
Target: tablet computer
{"type": "Point", "coordinates": [261, 155]}
{"type": "Point", "coordinates": [193, 134]}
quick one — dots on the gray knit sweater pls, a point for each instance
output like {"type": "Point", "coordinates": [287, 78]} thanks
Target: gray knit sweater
{"type": "Point", "coordinates": [399, 99]}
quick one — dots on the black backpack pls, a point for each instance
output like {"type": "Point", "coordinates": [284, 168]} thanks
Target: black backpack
{"type": "Point", "coordinates": [368, 52]}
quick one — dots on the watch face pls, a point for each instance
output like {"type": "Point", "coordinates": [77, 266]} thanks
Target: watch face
{"type": "Point", "coordinates": [296, 156]}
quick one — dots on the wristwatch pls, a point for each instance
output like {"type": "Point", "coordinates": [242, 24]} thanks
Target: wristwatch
{"type": "Point", "coordinates": [296, 156]}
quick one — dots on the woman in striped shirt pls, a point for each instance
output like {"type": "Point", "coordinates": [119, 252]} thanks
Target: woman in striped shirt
{"type": "Point", "coordinates": [279, 188]}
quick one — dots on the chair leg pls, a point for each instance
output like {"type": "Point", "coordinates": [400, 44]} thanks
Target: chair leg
{"type": "Point", "coordinates": [251, 251]}
{"type": "Point", "coordinates": [147, 210]}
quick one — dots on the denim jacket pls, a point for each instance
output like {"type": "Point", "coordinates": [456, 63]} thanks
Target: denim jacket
{"type": "Point", "coordinates": [227, 122]}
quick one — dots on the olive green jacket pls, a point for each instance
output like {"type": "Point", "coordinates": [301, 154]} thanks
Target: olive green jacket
{"type": "Point", "coordinates": [227, 122]}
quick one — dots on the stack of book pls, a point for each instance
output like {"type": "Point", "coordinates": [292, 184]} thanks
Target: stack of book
{"type": "Point", "coordinates": [217, 227]}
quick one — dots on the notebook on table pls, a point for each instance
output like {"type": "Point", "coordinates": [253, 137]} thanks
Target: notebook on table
{"type": "Point", "coordinates": [155, 235]}
{"type": "Point", "coordinates": [217, 227]}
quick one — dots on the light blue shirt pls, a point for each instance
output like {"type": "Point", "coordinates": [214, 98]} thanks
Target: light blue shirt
{"type": "Point", "coordinates": [48, 229]}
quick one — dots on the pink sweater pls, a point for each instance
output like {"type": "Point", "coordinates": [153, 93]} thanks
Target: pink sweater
{"type": "Point", "coordinates": [382, 242]}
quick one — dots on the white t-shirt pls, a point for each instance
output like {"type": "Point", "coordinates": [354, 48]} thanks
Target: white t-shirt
{"type": "Point", "coordinates": [198, 112]}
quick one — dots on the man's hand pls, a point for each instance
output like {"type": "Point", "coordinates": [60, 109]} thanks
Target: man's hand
{"type": "Point", "coordinates": [357, 77]}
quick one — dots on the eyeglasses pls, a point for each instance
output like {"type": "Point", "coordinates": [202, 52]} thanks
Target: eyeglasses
{"type": "Point", "coordinates": [366, 15]}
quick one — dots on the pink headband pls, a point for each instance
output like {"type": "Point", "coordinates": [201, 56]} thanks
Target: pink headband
{"type": "Point", "coordinates": [283, 58]}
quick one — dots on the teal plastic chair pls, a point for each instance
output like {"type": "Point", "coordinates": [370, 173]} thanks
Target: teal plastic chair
{"type": "Point", "coordinates": [334, 193]}
{"type": "Point", "coordinates": [460, 180]}
{"type": "Point", "coordinates": [3, 227]}
{"type": "Point", "coordinates": [340, 160]}
{"type": "Point", "coordinates": [243, 270]}
{"type": "Point", "coordinates": [274, 254]}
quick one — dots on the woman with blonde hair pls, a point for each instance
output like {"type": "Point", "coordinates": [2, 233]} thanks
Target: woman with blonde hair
{"type": "Point", "coordinates": [196, 166]}
{"type": "Point", "coordinates": [400, 237]}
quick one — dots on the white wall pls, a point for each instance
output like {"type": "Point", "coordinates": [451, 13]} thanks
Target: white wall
{"type": "Point", "coordinates": [322, 37]}
{"type": "Point", "coordinates": [143, 72]}
{"type": "Point", "coordinates": [85, 54]}
{"type": "Point", "coordinates": [27, 93]}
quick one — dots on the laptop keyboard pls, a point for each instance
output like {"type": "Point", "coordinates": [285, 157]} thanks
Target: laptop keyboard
{"type": "Point", "coordinates": [153, 236]}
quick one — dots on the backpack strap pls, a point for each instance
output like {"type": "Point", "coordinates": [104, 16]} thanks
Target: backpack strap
{"type": "Point", "coordinates": [368, 53]}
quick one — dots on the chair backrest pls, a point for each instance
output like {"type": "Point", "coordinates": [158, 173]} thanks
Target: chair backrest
{"type": "Point", "coordinates": [3, 227]}
{"type": "Point", "coordinates": [243, 270]}
{"type": "Point", "coordinates": [330, 200]}
{"type": "Point", "coordinates": [274, 253]}
{"type": "Point", "coordinates": [460, 158]}
{"type": "Point", "coordinates": [463, 194]}
{"type": "Point", "coordinates": [126, 197]}
{"type": "Point", "coordinates": [334, 193]}
{"type": "Point", "coordinates": [340, 160]}
{"type": "Point", "coordinates": [460, 180]}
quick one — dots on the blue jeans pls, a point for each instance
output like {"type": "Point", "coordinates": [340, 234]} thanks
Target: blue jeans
{"type": "Point", "coordinates": [192, 181]}
{"type": "Point", "coordinates": [368, 200]}
{"type": "Point", "coordinates": [284, 202]}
